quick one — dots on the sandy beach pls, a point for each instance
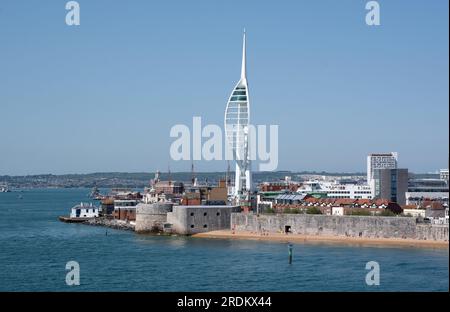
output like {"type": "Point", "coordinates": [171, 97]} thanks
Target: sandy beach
{"type": "Point", "coordinates": [296, 238]}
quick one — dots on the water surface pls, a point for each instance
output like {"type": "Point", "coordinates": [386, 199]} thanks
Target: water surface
{"type": "Point", "coordinates": [35, 247]}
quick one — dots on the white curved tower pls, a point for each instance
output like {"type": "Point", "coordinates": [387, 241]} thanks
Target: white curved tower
{"type": "Point", "coordinates": [237, 120]}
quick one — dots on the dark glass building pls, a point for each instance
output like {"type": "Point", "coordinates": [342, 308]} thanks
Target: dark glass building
{"type": "Point", "coordinates": [391, 184]}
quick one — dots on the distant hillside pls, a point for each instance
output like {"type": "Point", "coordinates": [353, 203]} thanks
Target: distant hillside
{"type": "Point", "coordinates": [139, 179]}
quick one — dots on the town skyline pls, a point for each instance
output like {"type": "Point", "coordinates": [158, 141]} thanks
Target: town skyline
{"type": "Point", "coordinates": [224, 154]}
{"type": "Point", "coordinates": [103, 96]}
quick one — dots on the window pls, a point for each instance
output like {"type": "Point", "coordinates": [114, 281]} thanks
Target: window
{"type": "Point", "coordinates": [205, 226]}
{"type": "Point", "coordinates": [204, 214]}
{"type": "Point", "coordinates": [218, 213]}
{"type": "Point", "coordinates": [192, 214]}
{"type": "Point", "coordinates": [238, 98]}
{"type": "Point", "coordinates": [192, 226]}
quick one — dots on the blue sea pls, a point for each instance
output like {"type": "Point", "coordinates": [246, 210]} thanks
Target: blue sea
{"type": "Point", "coordinates": [35, 247]}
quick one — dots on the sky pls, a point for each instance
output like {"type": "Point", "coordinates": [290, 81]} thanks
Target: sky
{"type": "Point", "coordinates": [103, 96]}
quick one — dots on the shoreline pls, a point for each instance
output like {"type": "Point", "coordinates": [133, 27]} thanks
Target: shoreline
{"type": "Point", "coordinates": [299, 238]}
{"type": "Point", "coordinates": [110, 223]}
{"type": "Point", "coordinates": [292, 238]}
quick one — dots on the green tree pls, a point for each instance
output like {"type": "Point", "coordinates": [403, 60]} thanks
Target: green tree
{"type": "Point", "coordinates": [387, 213]}
{"type": "Point", "coordinates": [313, 210]}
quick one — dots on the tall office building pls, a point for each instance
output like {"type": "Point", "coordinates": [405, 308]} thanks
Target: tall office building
{"type": "Point", "coordinates": [380, 161]}
{"type": "Point", "coordinates": [237, 119]}
{"type": "Point", "coordinates": [390, 184]}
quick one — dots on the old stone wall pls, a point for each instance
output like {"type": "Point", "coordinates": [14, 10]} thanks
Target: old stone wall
{"type": "Point", "coordinates": [197, 219]}
{"type": "Point", "coordinates": [350, 226]}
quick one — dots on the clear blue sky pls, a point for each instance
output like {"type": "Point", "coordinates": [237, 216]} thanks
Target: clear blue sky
{"type": "Point", "coordinates": [103, 96]}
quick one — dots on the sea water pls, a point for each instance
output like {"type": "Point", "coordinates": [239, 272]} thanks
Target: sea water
{"type": "Point", "coordinates": [35, 248]}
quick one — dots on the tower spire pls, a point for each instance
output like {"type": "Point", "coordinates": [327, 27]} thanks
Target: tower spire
{"type": "Point", "coordinates": [244, 67]}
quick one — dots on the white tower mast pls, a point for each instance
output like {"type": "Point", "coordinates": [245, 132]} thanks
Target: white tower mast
{"type": "Point", "coordinates": [237, 120]}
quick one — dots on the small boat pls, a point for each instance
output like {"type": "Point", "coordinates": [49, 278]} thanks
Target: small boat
{"type": "Point", "coordinates": [4, 188]}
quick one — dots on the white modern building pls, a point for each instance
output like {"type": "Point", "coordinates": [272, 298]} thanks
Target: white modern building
{"type": "Point", "coordinates": [335, 189]}
{"type": "Point", "coordinates": [237, 120]}
{"type": "Point", "coordinates": [353, 191]}
{"type": "Point", "coordinates": [84, 210]}
{"type": "Point", "coordinates": [380, 161]}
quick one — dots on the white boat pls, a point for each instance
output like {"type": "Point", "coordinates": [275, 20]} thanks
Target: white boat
{"type": "Point", "coordinates": [4, 188]}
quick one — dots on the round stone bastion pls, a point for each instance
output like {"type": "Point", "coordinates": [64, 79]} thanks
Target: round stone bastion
{"type": "Point", "coordinates": [151, 217]}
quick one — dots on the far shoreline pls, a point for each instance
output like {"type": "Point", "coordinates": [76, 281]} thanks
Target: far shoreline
{"type": "Point", "coordinates": [308, 239]}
